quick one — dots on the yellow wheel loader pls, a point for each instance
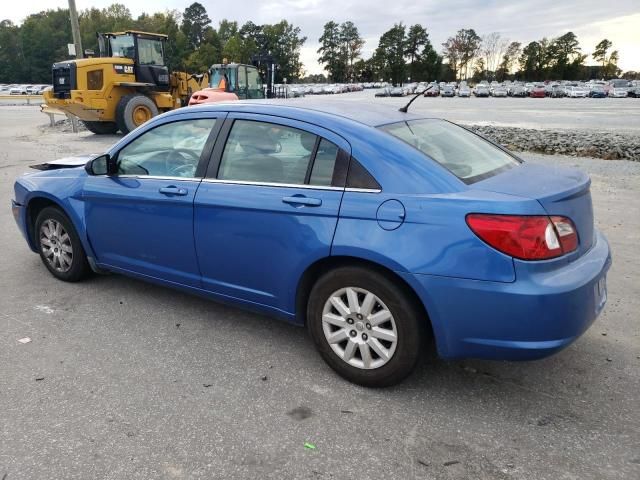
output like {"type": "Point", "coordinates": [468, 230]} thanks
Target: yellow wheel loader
{"type": "Point", "coordinates": [123, 88]}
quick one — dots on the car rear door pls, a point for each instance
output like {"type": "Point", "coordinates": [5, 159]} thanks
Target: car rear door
{"type": "Point", "coordinates": [268, 207]}
{"type": "Point", "coordinates": [141, 220]}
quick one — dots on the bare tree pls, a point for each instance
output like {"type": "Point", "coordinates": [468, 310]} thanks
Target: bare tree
{"type": "Point", "coordinates": [492, 50]}
{"type": "Point", "coordinates": [489, 50]}
{"type": "Point", "coordinates": [503, 46]}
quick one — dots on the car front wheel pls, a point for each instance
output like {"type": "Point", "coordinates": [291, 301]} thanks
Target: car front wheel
{"type": "Point", "coordinates": [59, 246]}
{"type": "Point", "coordinates": [365, 326]}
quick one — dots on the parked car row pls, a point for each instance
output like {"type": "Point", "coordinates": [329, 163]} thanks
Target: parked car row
{"type": "Point", "coordinates": [303, 89]}
{"type": "Point", "coordinates": [22, 89]}
{"type": "Point", "coordinates": [593, 89]}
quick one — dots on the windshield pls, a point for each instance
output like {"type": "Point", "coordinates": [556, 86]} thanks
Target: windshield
{"type": "Point", "coordinates": [220, 73]}
{"type": "Point", "coordinates": [122, 46]}
{"type": "Point", "coordinates": [466, 155]}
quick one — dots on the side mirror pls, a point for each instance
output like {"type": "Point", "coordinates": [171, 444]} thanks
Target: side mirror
{"type": "Point", "coordinates": [102, 165]}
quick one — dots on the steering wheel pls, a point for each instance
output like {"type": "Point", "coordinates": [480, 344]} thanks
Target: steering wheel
{"type": "Point", "coordinates": [183, 163]}
{"type": "Point", "coordinates": [187, 170]}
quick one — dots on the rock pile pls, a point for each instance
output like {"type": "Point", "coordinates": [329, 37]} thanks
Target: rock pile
{"type": "Point", "coordinates": [582, 143]}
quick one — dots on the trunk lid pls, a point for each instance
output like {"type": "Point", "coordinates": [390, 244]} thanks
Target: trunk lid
{"type": "Point", "coordinates": [560, 190]}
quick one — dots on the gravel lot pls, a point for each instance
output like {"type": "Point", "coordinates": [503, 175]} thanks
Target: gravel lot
{"type": "Point", "coordinates": [125, 380]}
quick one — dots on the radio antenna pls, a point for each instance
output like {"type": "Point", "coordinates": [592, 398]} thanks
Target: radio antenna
{"type": "Point", "coordinates": [406, 107]}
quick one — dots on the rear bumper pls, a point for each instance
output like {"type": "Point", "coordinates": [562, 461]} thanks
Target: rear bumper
{"type": "Point", "coordinates": [83, 108]}
{"type": "Point", "coordinates": [535, 316]}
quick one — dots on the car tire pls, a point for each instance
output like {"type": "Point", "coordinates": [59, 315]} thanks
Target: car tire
{"type": "Point", "coordinates": [101, 128]}
{"type": "Point", "coordinates": [363, 339]}
{"type": "Point", "coordinates": [60, 248]}
{"type": "Point", "coordinates": [134, 110]}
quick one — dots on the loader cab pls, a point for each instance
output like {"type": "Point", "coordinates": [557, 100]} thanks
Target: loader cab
{"type": "Point", "coordinates": [147, 52]}
{"type": "Point", "coordinates": [243, 80]}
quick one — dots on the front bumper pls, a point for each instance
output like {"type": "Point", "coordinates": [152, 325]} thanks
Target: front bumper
{"type": "Point", "coordinates": [20, 216]}
{"type": "Point", "coordinates": [543, 311]}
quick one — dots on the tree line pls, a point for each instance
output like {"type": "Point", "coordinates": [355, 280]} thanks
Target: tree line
{"type": "Point", "coordinates": [27, 51]}
{"type": "Point", "coordinates": [404, 52]}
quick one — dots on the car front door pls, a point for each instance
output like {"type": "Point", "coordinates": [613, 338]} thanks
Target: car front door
{"type": "Point", "coordinates": [268, 207]}
{"type": "Point", "coordinates": [141, 219]}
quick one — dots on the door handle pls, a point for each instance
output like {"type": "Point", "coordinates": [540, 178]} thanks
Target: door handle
{"type": "Point", "coordinates": [302, 200]}
{"type": "Point", "coordinates": [171, 190]}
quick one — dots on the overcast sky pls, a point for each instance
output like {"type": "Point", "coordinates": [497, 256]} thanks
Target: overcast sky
{"type": "Point", "coordinates": [521, 20]}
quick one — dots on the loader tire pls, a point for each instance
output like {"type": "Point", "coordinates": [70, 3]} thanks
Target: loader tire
{"type": "Point", "coordinates": [134, 110]}
{"type": "Point", "coordinates": [101, 128]}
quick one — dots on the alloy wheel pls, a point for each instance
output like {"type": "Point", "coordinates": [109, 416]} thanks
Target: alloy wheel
{"type": "Point", "coordinates": [55, 244]}
{"type": "Point", "coordinates": [359, 328]}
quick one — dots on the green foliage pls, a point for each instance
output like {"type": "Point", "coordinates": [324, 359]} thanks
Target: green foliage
{"type": "Point", "coordinates": [283, 40]}
{"type": "Point", "coordinates": [194, 24]}
{"type": "Point", "coordinates": [43, 39]}
{"type": "Point", "coordinates": [560, 59]}
{"type": "Point", "coordinates": [511, 55]}
{"type": "Point", "coordinates": [352, 44]}
{"type": "Point", "coordinates": [331, 52]}
{"type": "Point", "coordinates": [389, 56]}
{"type": "Point", "coordinates": [233, 49]}
{"type": "Point", "coordinates": [314, 78]}
{"type": "Point", "coordinates": [416, 40]}
{"type": "Point", "coordinates": [609, 62]}
{"type": "Point", "coordinates": [11, 57]}
{"type": "Point", "coordinates": [461, 51]}
{"type": "Point", "coordinates": [534, 60]}
{"type": "Point", "coordinates": [340, 47]}
{"type": "Point", "coordinates": [227, 30]}
{"type": "Point", "coordinates": [600, 53]}
{"type": "Point", "coordinates": [397, 46]}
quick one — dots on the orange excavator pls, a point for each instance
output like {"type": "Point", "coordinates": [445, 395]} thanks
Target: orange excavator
{"type": "Point", "coordinates": [230, 81]}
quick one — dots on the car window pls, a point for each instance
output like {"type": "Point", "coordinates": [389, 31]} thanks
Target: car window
{"type": "Point", "coordinates": [266, 152]}
{"type": "Point", "coordinates": [254, 84]}
{"type": "Point", "coordinates": [171, 150]}
{"type": "Point", "coordinates": [466, 155]}
{"type": "Point", "coordinates": [232, 80]}
{"type": "Point", "coordinates": [323, 165]}
{"type": "Point", "coordinates": [150, 51]}
{"type": "Point", "coordinates": [242, 79]}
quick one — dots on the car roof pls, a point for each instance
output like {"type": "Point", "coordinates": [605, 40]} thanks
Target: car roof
{"type": "Point", "coordinates": [370, 114]}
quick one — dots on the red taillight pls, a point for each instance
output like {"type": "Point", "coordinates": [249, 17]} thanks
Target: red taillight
{"type": "Point", "coordinates": [526, 237]}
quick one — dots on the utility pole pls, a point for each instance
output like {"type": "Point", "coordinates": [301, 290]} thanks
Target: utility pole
{"type": "Point", "coordinates": [75, 28]}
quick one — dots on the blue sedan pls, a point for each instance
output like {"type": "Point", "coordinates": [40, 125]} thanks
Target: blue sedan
{"type": "Point", "coordinates": [386, 233]}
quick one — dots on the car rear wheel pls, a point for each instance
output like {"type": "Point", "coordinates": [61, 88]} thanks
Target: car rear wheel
{"type": "Point", "coordinates": [365, 326]}
{"type": "Point", "coordinates": [101, 128]}
{"type": "Point", "coordinates": [59, 246]}
{"type": "Point", "coordinates": [134, 110]}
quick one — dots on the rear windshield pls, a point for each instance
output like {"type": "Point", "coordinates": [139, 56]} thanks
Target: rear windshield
{"type": "Point", "coordinates": [466, 155]}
